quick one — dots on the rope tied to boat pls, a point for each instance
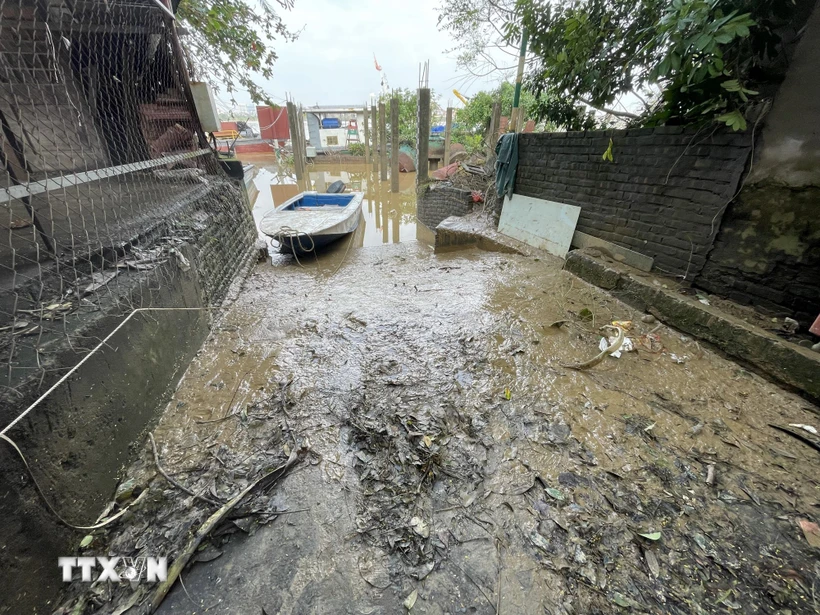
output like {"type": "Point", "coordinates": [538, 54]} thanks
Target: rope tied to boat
{"type": "Point", "coordinates": [292, 233]}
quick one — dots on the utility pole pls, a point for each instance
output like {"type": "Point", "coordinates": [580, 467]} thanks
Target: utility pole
{"type": "Point", "coordinates": [448, 126]}
{"type": "Point", "coordinates": [516, 111]}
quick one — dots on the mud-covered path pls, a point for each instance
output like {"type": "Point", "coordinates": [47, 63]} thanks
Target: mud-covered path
{"type": "Point", "coordinates": [454, 461]}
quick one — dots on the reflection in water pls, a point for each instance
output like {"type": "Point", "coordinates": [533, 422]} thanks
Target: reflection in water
{"type": "Point", "coordinates": [386, 217]}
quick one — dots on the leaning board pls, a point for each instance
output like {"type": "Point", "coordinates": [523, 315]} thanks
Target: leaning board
{"type": "Point", "coordinates": [546, 225]}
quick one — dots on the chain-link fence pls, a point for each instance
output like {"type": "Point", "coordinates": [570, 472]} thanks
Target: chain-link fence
{"type": "Point", "coordinates": [107, 183]}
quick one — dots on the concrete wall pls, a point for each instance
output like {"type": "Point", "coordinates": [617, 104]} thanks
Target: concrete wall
{"type": "Point", "coordinates": [436, 202]}
{"type": "Point", "coordinates": [789, 149]}
{"type": "Point", "coordinates": [768, 250]}
{"type": "Point", "coordinates": [767, 253]}
{"type": "Point", "coordinates": [78, 439]}
{"type": "Point", "coordinates": [663, 194]}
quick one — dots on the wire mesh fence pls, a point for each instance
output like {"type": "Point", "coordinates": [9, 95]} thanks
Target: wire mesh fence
{"type": "Point", "coordinates": [108, 184]}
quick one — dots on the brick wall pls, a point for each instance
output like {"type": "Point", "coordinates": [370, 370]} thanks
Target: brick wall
{"type": "Point", "coordinates": [663, 195]}
{"type": "Point", "coordinates": [438, 201]}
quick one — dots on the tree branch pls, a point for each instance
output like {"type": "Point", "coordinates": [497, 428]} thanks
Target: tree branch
{"type": "Point", "coordinates": [614, 112]}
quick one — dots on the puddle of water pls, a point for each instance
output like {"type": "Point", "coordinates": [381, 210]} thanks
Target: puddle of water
{"type": "Point", "coordinates": [387, 217]}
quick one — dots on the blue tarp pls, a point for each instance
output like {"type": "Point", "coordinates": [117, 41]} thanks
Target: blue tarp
{"type": "Point", "coordinates": [505, 165]}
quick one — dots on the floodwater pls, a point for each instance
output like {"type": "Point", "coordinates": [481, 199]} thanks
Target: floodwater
{"type": "Point", "coordinates": [456, 466]}
{"type": "Point", "coordinates": [387, 217]}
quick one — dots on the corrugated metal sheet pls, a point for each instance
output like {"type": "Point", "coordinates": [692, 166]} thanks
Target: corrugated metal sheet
{"type": "Point", "coordinates": [273, 123]}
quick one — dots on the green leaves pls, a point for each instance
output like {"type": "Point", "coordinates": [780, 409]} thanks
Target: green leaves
{"type": "Point", "coordinates": [555, 494]}
{"type": "Point", "coordinates": [475, 116]}
{"type": "Point", "coordinates": [696, 36]}
{"type": "Point", "coordinates": [675, 54]}
{"type": "Point", "coordinates": [608, 153]}
{"type": "Point", "coordinates": [733, 119]}
{"type": "Point", "coordinates": [230, 40]}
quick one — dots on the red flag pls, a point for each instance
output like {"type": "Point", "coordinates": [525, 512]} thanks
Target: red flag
{"type": "Point", "coordinates": [376, 62]}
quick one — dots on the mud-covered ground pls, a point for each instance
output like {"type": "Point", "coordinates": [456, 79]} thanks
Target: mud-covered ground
{"type": "Point", "coordinates": [456, 467]}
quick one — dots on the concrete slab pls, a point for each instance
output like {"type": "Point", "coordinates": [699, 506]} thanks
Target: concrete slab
{"type": "Point", "coordinates": [477, 230]}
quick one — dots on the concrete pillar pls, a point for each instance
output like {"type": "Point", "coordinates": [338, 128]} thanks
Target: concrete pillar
{"type": "Point", "coordinates": [394, 140]}
{"type": "Point", "coordinates": [300, 117]}
{"type": "Point", "coordinates": [366, 139]}
{"type": "Point", "coordinates": [423, 147]}
{"type": "Point", "coordinates": [448, 127]}
{"type": "Point", "coordinates": [382, 143]}
{"type": "Point", "coordinates": [375, 123]}
{"type": "Point", "coordinates": [292, 131]}
{"type": "Point", "coordinates": [295, 140]}
{"type": "Point", "coordinates": [495, 128]}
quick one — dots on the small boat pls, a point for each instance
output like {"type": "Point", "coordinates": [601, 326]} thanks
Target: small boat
{"type": "Point", "coordinates": [311, 220]}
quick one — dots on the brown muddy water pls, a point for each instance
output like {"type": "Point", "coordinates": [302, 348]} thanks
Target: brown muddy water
{"type": "Point", "coordinates": [387, 217]}
{"type": "Point", "coordinates": [456, 466]}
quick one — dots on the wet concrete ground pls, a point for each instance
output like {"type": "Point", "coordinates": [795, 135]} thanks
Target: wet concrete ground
{"type": "Point", "coordinates": [455, 462]}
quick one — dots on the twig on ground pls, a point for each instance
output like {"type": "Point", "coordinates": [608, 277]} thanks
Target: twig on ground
{"type": "Point", "coordinates": [209, 525]}
{"type": "Point", "coordinates": [797, 436]}
{"type": "Point", "coordinates": [464, 572]}
{"type": "Point", "coordinates": [185, 589]}
{"type": "Point", "coordinates": [235, 391]}
{"type": "Point", "coordinates": [174, 482]}
{"type": "Point", "coordinates": [219, 420]}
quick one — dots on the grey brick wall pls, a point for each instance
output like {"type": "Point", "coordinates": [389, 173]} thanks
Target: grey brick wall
{"type": "Point", "coordinates": [436, 202]}
{"type": "Point", "coordinates": [658, 197]}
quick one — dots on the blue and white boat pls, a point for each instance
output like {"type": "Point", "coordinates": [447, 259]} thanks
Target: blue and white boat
{"type": "Point", "coordinates": [311, 220]}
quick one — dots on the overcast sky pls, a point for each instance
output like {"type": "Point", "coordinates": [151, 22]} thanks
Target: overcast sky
{"type": "Point", "coordinates": [332, 61]}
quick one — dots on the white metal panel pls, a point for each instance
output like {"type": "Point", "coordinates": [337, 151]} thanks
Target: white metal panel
{"type": "Point", "coordinates": [546, 225]}
{"type": "Point", "coordinates": [205, 106]}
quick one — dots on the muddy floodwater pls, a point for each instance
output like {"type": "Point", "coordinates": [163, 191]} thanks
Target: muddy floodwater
{"type": "Point", "coordinates": [448, 462]}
